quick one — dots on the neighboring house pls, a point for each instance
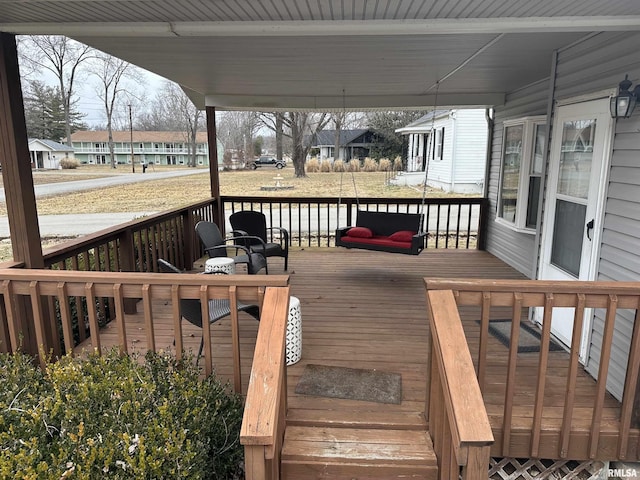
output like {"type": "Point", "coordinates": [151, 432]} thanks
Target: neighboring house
{"type": "Point", "coordinates": [449, 145]}
{"type": "Point", "coordinates": [353, 144]}
{"type": "Point", "coordinates": [46, 154]}
{"type": "Point", "coordinates": [149, 147]}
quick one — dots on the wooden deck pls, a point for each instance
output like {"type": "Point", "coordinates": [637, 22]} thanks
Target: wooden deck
{"type": "Point", "coordinates": [367, 310]}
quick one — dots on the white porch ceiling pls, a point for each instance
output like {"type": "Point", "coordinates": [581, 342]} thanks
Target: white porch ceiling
{"type": "Point", "coordinates": [316, 54]}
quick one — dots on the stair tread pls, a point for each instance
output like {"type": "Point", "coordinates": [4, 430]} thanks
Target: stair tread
{"type": "Point", "coordinates": [352, 419]}
{"type": "Point", "coordinates": [363, 446]}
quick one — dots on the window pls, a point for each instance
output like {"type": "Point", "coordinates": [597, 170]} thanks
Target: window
{"type": "Point", "coordinates": [521, 173]}
{"type": "Point", "coordinates": [436, 144]}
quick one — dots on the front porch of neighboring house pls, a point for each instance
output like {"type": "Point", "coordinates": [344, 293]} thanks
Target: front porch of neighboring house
{"type": "Point", "coordinates": [368, 310]}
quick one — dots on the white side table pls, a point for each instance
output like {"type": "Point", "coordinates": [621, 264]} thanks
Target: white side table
{"type": "Point", "coordinates": [294, 332]}
{"type": "Point", "coordinates": [220, 265]}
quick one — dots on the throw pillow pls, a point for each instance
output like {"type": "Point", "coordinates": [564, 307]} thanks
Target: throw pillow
{"type": "Point", "coordinates": [360, 232]}
{"type": "Point", "coordinates": [402, 236]}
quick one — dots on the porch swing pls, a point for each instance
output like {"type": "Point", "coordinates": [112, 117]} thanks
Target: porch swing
{"type": "Point", "coordinates": [392, 232]}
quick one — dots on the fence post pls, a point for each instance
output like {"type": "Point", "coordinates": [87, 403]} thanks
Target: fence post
{"type": "Point", "coordinates": [483, 220]}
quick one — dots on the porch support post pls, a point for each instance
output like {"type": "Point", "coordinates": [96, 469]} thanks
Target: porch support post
{"type": "Point", "coordinates": [212, 138]}
{"type": "Point", "coordinates": [16, 176]}
{"type": "Point", "coordinates": [16, 161]}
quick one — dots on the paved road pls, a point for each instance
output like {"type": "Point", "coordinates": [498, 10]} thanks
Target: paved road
{"type": "Point", "coordinates": [74, 225]}
{"type": "Point", "coordinates": [120, 179]}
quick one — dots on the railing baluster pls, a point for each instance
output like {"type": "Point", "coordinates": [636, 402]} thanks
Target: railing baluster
{"type": "Point", "coordinates": [65, 318]}
{"type": "Point", "coordinates": [446, 238]}
{"type": "Point", "coordinates": [603, 371]}
{"type": "Point", "coordinates": [542, 374]}
{"type": "Point", "coordinates": [572, 373]}
{"type": "Point", "coordinates": [470, 210]}
{"type": "Point", "coordinates": [206, 330]}
{"type": "Point", "coordinates": [177, 321]}
{"type": "Point", "coordinates": [148, 317]}
{"type": "Point", "coordinates": [120, 317]}
{"type": "Point", "coordinates": [484, 338]}
{"type": "Point", "coordinates": [38, 320]}
{"type": "Point", "coordinates": [12, 317]}
{"type": "Point", "coordinates": [94, 328]}
{"type": "Point", "coordinates": [438, 226]}
{"type": "Point", "coordinates": [630, 386]}
{"type": "Point", "coordinates": [458, 227]}
{"type": "Point", "coordinates": [516, 318]}
{"type": "Point", "coordinates": [235, 341]}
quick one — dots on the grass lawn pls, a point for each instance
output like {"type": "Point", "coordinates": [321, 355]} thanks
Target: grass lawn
{"type": "Point", "coordinates": [170, 193]}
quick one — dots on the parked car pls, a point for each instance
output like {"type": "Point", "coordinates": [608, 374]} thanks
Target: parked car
{"type": "Point", "coordinates": [266, 161]}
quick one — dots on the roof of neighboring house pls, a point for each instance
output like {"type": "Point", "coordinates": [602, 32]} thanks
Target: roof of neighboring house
{"type": "Point", "coordinates": [51, 145]}
{"type": "Point", "coordinates": [423, 124]}
{"type": "Point", "coordinates": [138, 136]}
{"type": "Point", "coordinates": [328, 137]}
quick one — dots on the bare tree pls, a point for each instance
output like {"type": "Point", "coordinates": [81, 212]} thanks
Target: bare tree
{"type": "Point", "coordinates": [62, 57]}
{"type": "Point", "coordinates": [236, 130]}
{"type": "Point", "coordinates": [182, 115]}
{"type": "Point", "coordinates": [303, 128]}
{"type": "Point", "coordinates": [111, 73]}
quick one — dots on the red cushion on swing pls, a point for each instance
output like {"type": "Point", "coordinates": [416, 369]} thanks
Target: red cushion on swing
{"type": "Point", "coordinates": [360, 232]}
{"type": "Point", "coordinates": [402, 236]}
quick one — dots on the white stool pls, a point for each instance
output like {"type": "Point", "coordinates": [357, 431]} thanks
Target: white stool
{"type": "Point", "coordinates": [220, 265]}
{"type": "Point", "coordinates": [294, 332]}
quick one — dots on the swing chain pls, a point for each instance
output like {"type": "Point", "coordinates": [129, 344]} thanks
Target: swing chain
{"type": "Point", "coordinates": [426, 167]}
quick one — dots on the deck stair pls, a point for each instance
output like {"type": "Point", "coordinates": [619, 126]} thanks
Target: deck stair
{"type": "Point", "coordinates": [322, 452]}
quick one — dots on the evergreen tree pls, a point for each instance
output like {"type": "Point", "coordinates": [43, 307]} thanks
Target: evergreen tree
{"type": "Point", "coordinates": [45, 114]}
{"type": "Point", "coordinates": [390, 144]}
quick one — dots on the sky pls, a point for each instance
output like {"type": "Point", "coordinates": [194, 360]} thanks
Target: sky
{"type": "Point", "coordinates": [91, 105]}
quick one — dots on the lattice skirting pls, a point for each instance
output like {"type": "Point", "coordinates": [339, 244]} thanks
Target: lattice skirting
{"type": "Point", "coordinates": [529, 469]}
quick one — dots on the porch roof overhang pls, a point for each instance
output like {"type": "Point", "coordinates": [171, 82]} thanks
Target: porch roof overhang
{"type": "Point", "coordinates": [338, 54]}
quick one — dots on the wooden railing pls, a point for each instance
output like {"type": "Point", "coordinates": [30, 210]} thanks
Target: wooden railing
{"type": "Point", "coordinates": [602, 435]}
{"type": "Point", "coordinates": [263, 423]}
{"type": "Point", "coordinates": [135, 246]}
{"type": "Point", "coordinates": [458, 421]}
{"type": "Point", "coordinates": [65, 290]}
{"type": "Point", "coordinates": [312, 221]}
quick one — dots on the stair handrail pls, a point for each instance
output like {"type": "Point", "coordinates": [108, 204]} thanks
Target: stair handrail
{"type": "Point", "coordinates": [263, 423]}
{"type": "Point", "coordinates": [458, 420]}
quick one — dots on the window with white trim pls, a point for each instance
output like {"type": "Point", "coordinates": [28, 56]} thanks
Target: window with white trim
{"type": "Point", "coordinates": [436, 144]}
{"type": "Point", "coordinates": [523, 144]}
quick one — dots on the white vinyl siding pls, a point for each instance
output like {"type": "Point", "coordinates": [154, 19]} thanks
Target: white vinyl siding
{"type": "Point", "coordinates": [596, 64]}
{"type": "Point", "coordinates": [462, 166]}
{"type": "Point", "coordinates": [514, 248]}
{"type": "Point", "coordinates": [470, 146]}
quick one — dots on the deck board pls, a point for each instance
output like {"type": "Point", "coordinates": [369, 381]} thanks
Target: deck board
{"type": "Point", "coordinates": [364, 309]}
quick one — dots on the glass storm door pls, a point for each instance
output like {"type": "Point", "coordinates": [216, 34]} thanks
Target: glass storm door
{"type": "Point", "coordinates": [578, 163]}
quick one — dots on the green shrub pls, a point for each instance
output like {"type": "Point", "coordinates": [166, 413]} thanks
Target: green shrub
{"type": "Point", "coordinates": [313, 165]}
{"type": "Point", "coordinates": [68, 164]}
{"type": "Point", "coordinates": [116, 416]}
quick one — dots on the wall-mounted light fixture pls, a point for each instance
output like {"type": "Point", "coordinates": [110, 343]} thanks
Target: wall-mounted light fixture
{"type": "Point", "coordinates": [623, 104]}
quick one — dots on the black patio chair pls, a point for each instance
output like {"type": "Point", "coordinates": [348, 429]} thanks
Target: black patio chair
{"type": "Point", "coordinates": [251, 224]}
{"type": "Point", "coordinates": [191, 310]}
{"type": "Point", "coordinates": [216, 246]}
